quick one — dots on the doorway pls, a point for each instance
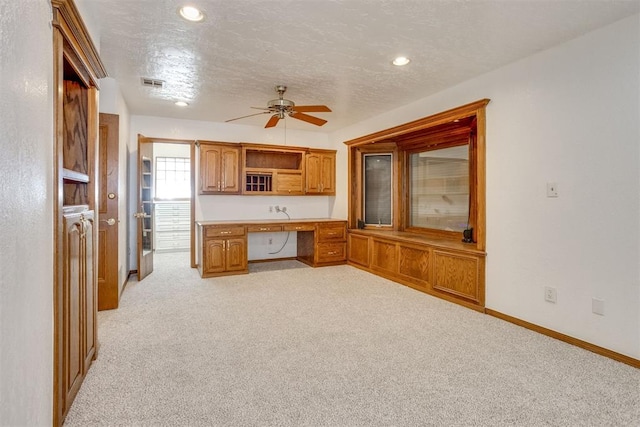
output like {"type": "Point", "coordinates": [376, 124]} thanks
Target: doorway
{"type": "Point", "coordinates": [166, 201]}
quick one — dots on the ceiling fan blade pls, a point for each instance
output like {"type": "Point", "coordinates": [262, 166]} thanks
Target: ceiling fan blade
{"type": "Point", "coordinates": [272, 121]}
{"type": "Point", "coordinates": [307, 118]}
{"type": "Point", "coordinates": [312, 109]}
{"type": "Point", "coordinates": [244, 117]}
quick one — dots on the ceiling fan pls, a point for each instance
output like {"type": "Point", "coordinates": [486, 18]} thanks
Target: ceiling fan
{"type": "Point", "coordinates": [280, 108]}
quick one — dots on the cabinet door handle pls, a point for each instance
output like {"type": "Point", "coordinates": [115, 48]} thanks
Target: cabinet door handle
{"type": "Point", "coordinates": [225, 232]}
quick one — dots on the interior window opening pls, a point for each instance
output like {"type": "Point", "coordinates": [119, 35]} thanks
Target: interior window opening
{"type": "Point", "coordinates": [378, 185]}
{"type": "Point", "coordinates": [439, 191]}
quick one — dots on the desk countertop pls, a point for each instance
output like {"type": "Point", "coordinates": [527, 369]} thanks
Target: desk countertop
{"type": "Point", "coordinates": [268, 221]}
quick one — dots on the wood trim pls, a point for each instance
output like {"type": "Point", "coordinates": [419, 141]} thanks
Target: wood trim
{"type": "Point", "coordinates": [566, 338]}
{"type": "Point", "coordinates": [192, 214]}
{"type": "Point", "coordinates": [420, 124]}
{"type": "Point", "coordinates": [68, 20]}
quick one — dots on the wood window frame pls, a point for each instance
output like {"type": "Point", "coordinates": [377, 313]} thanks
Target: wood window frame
{"type": "Point", "coordinates": [447, 128]}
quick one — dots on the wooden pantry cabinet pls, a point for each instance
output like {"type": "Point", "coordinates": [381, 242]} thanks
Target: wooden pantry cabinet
{"type": "Point", "coordinates": [77, 69]}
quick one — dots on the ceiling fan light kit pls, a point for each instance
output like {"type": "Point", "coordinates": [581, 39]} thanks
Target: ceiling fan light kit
{"type": "Point", "coordinates": [280, 108]}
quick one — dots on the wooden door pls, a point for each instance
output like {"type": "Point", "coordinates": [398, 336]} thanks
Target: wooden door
{"type": "Point", "coordinates": [328, 173]}
{"type": "Point", "coordinates": [230, 166]}
{"type": "Point", "coordinates": [72, 370]}
{"type": "Point", "coordinates": [312, 171]}
{"type": "Point", "coordinates": [236, 255]}
{"type": "Point", "coordinates": [209, 169]}
{"type": "Point", "coordinates": [107, 244]}
{"type": "Point", "coordinates": [214, 256]}
{"type": "Point", "coordinates": [145, 209]}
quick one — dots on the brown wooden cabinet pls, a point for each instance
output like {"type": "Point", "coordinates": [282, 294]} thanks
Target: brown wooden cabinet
{"type": "Point", "coordinates": [270, 170]}
{"type": "Point", "coordinates": [219, 168]}
{"type": "Point", "coordinates": [326, 245]}
{"type": "Point", "coordinates": [77, 69]}
{"type": "Point", "coordinates": [440, 267]}
{"type": "Point", "coordinates": [79, 299]}
{"type": "Point", "coordinates": [358, 249]}
{"type": "Point", "coordinates": [223, 244]}
{"type": "Point", "coordinates": [261, 169]}
{"type": "Point", "coordinates": [320, 172]}
{"type": "Point", "coordinates": [224, 250]}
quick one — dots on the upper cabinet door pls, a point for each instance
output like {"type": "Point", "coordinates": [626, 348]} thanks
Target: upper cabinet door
{"type": "Point", "coordinates": [230, 169]}
{"type": "Point", "coordinates": [219, 169]}
{"type": "Point", "coordinates": [328, 173]}
{"type": "Point", "coordinates": [321, 172]}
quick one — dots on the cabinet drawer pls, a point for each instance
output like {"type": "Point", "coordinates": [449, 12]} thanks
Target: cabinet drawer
{"type": "Point", "coordinates": [331, 252]}
{"type": "Point", "coordinates": [328, 232]}
{"type": "Point", "coordinates": [263, 228]}
{"type": "Point", "coordinates": [299, 227]}
{"type": "Point", "coordinates": [170, 237]}
{"type": "Point", "coordinates": [218, 231]}
{"type": "Point", "coordinates": [172, 227]}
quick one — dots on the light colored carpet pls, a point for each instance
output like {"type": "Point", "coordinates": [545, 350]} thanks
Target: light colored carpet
{"type": "Point", "coordinates": [332, 346]}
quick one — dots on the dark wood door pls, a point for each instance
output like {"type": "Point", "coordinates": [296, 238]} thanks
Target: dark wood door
{"type": "Point", "coordinates": [145, 209]}
{"type": "Point", "coordinates": [107, 245]}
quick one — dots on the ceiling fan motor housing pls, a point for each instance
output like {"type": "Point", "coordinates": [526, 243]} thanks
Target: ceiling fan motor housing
{"type": "Point", "coordinates": [281, 104]}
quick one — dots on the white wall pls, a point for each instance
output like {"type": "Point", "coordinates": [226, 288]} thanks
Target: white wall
{"type": "Point", "coordinates": [26, 212]}
{"type": "Point", "coordinates": [569, 115]}
{"type": "Point", "coordinates": [112, 102]}
{"type": "Point", "coordinates": [236, 207]}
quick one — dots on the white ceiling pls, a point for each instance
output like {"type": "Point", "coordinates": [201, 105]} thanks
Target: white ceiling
{"type": "Point", "coordinates": [332, 52]}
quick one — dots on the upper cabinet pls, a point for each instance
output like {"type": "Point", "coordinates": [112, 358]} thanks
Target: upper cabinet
{"type": "Point", "coordinates": [321, 172]}
{"type": "Point", "coordinates": [259, 169]}
{"type": "Point", "coordinates": [219, 168]}
{"type": "Point", "coordinates": [268, 170]}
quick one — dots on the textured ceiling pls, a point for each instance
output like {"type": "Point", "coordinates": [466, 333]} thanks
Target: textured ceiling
{"type": "Point", "coordinates": [332, 52]}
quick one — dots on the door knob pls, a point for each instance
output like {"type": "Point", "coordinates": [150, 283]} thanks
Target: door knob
{"type": "Point", "coordinates": [109, 221]}
{"type": "Point", "coordinates": [111, 195]}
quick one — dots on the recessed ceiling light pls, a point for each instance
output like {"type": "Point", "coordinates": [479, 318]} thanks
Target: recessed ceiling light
{"type": "Point", "coordinates": [181, 104]}
{"type": "Point", "coordinates": [401, 60]}
{"type": "Point", "coordinates": [191, 13]}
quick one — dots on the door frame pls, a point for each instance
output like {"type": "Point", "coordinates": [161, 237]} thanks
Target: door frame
{"type": "Point", "coordinates": [192, 165]}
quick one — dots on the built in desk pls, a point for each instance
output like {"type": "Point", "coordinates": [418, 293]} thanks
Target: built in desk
{"type": "Point", "coordinates": [222, 245]}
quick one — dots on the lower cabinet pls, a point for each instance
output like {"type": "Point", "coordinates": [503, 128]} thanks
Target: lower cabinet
{"type": "Point", "coordinates": [79, 301]}
{"type": "Point", "coordinates": [224, 255]}
{"type": "Point", "coordinates": [325, 245]}
{"type": "Point", "coordinates": [223, 251]}
{"type": "Point", "coordinates": [222, 247]}
{"type": "Point", "coordinates": [455, 273]}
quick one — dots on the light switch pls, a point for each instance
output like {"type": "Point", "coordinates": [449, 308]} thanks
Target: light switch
{"type": "Point", "coordinates": [552, 189]}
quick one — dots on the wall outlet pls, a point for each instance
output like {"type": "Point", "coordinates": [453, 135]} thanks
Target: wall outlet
{"type": "Point", "coordinates": [270, 240]}
{"type": "Point", "coordinates": [550, 294]}
{"type": "Point", "coordinates": [597, 306]}
{"type": "Point", "coordinates": [270, 209]}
